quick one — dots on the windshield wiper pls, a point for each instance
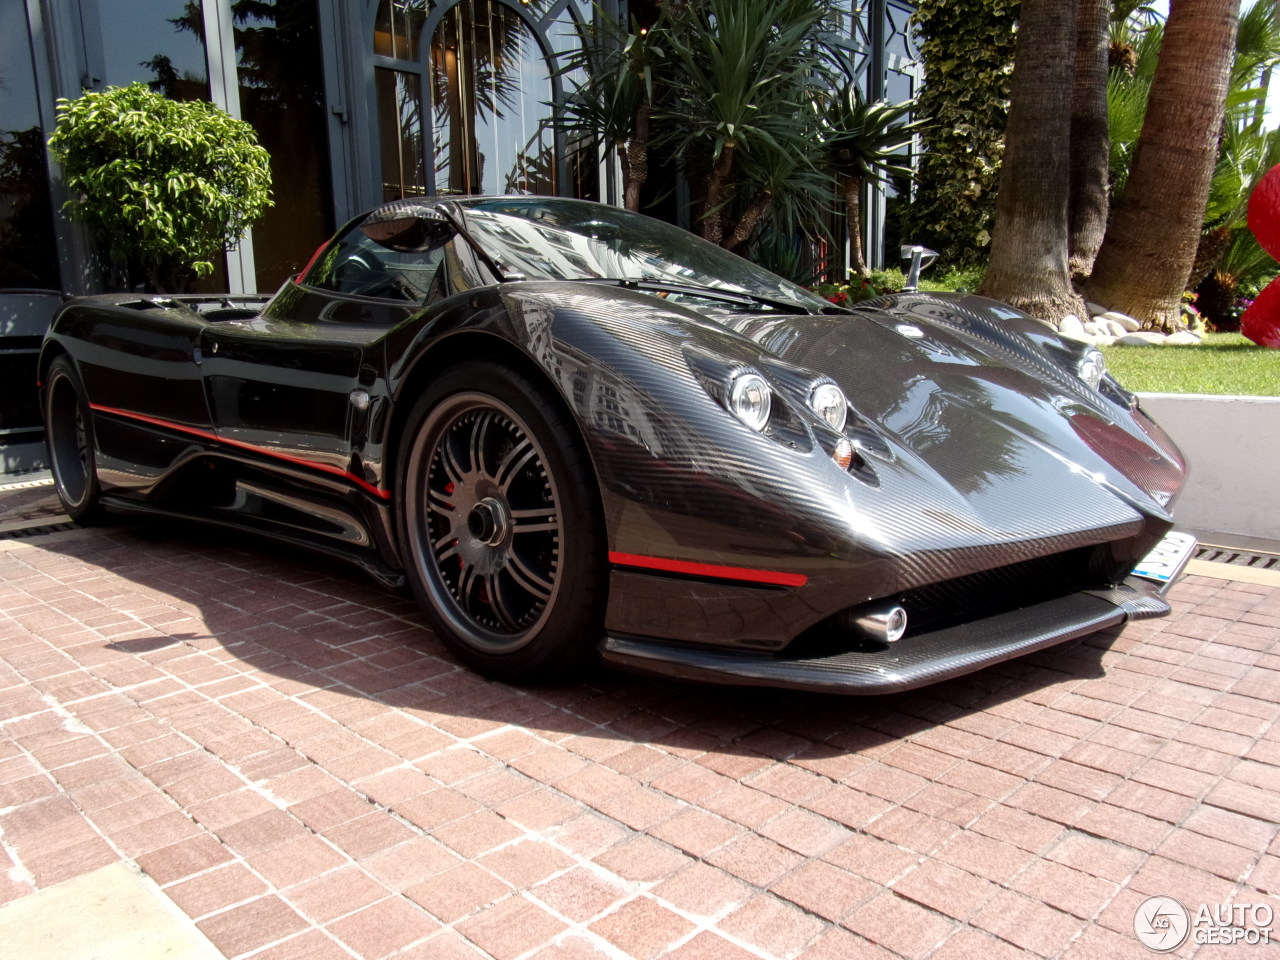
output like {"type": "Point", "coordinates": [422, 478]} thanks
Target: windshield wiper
{"type": "Point", "coordinates": [741, 298]}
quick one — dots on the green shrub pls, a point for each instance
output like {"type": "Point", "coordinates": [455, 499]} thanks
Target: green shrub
{"type": "Point", "coordinates": [892, 280]}
{"type": "Point", "coordinates": [164, 186]}
{"type": "Point", "coordinates": [856, 289]}
{"type": "Point", "coordinates": [955, 279]}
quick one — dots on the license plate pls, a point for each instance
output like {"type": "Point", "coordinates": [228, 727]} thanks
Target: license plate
{"type": "Point", "coordinates": [1165, 562]}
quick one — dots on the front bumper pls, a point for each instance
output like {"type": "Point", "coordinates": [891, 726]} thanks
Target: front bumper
{"type": "Point", "coordinates": [913, 661]}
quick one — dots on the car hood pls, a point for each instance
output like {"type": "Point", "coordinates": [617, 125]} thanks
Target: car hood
{"type": "Point", "coordinates": [1010, 431]}
{"type": "Point", "coordinates": [967, 439]}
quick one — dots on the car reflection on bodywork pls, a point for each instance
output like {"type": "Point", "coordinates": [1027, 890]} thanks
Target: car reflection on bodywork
{"type": "Point", "coordinates": [574, 432]}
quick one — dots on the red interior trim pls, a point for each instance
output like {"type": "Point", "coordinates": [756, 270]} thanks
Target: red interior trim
{"type": "Point", "coordinates": [208, 435]}
{"type": "Point", "coordinates": [310, 263]}
{"type": "Point", "coordinates": [748, 574]}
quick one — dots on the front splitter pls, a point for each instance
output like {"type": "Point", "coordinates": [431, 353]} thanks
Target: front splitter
{"type": "Point", "coordinates": [914, 661]}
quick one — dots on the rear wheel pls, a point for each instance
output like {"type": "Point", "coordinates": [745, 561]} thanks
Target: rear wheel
{"type": "Point", "coordinates": [499, 519]}
{"type": "Point", "coordinates": [69, 437]}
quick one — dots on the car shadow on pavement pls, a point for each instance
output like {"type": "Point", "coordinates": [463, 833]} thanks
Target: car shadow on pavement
{"type": "Point", "coordinates": [321, 625]}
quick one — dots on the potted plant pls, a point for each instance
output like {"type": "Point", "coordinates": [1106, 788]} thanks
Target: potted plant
{"type": "Point", "coordinates": [164, 186]}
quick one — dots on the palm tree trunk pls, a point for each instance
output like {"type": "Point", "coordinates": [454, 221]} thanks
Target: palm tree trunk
{"type": "Point", "coordinates": [713, 209]}
{"type": "Point", "coordinates": [1090, 141]}
{"type": "Point", "coordinates": [747, 222]}
{"type": "Point", "coordinates": [1028, 265]}
{"type": "Point", "coordinates": [636, 167]}
{"type": "Point", "coordinates": [1154, 231]}
{"type": "Point", "coordinates": [853, 217]}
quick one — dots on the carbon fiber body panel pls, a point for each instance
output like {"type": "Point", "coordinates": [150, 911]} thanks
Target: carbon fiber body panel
{"type": "Point", "coordinates": [912, 662]}
{"type": "Point", "coordinates": [986, 478]}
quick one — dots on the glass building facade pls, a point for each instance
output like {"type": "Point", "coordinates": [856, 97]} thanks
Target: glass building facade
{"type": "Point", "coordinates": [357, 101]}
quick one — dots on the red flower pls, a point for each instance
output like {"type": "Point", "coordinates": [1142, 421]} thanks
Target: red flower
{"type": "Point", "coordinates": [1261, 321]}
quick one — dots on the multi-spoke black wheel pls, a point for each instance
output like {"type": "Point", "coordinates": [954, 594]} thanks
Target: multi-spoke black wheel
{"type": "Point", "coordinates": [499, 523]}
{"type": "Point", "coordinates": [68, 434]}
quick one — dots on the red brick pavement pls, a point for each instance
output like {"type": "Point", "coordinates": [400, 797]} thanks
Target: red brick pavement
{"type": "Point", "coordinates": [297, 763]}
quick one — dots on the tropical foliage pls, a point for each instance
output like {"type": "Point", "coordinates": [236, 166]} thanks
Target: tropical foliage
{"type": "Point", "coordinates": [968, 48]}
{"type": "Point", "coordinates": [863, 141]}
{"type": "Point", "coordinates": [612, 96]}
{"type": "Point", "coordinates": [742, 74]}
{"type": "Point", "coordinates": [1229, 264]}
{"type": "Point", "coordinates": [1155, 224]}
{"type": "Point", "coordinates": [738, 94]}
{"type": "Point", "coordinates": [164, 186]}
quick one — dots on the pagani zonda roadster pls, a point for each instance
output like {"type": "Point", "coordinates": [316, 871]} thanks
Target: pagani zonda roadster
{"type": "Point", "coordinates": [574, 429]}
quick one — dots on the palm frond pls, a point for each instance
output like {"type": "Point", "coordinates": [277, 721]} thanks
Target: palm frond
{"type": "Point", "coordinates": [863, 140]}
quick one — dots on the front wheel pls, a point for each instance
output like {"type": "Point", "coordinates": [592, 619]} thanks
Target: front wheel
{"type": "Point", "coordinates": [499, 518]}
{"type": "Point", "coordinates": [69, 435]}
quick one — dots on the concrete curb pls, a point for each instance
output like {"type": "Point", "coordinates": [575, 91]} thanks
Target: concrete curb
{"type": "Point", "coordinates": [1232, 445]}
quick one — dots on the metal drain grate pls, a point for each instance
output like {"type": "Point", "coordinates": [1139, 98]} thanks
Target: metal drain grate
{"type": "Point", "coordinates": [23, 532]}
{"type": "Point", "coordinates": [26, 484]}
{"type": "Point", "coordinates": [1239, 558]}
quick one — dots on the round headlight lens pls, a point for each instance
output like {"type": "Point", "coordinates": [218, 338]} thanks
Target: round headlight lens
{"type": "Point", "coordinates": [828, 402]}
{"type": "Point", "coordinates": [1092, 366]}
{"type": "Point", "coordinates": [750, 399]}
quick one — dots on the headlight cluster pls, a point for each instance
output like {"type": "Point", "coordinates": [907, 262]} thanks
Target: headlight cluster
{"type": "Point", "coordinates": [751, 401]}
{"type": "Point", "coordinates": [829, 403]}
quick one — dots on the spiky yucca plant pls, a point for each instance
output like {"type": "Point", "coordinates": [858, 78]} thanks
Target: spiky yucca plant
{"type": "Point", "coordinates": [863, 141]}
{"type": "Point", "coordinates": [741, 73]}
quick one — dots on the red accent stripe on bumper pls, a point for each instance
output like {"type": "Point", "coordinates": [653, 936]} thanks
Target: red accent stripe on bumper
{"type": "Point", "coordinates": [710, 570]}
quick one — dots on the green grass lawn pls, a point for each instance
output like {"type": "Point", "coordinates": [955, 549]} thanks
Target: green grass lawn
{"type": "Point", "coordinates": [1226, 363]}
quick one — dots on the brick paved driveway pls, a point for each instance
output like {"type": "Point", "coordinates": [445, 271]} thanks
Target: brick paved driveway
{"type": "Point", "coordinates": [295, 760]}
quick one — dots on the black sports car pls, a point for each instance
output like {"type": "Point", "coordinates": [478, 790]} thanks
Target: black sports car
{"type": "Point", "coordinates": [575, 429]}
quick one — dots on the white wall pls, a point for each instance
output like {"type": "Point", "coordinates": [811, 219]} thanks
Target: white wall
{"type": "Point", "coordinates": [1232, 445]}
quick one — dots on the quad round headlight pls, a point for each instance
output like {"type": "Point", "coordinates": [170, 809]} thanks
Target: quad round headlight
{"type": "Point", "coordinates": [1091, 367]}
{"type": "Point", "coordinates": [750, 399]}
{"type": "Point", "coordinates": [829, 403]}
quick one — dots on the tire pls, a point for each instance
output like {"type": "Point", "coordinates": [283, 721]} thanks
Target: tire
{"type": "Point", "coordinates": [68, 426]}
{"type": "Point", "coordinates": [500, 526]}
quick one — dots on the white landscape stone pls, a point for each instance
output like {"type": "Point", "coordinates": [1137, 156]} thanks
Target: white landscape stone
{"type": "Point", "coordinates": [1095, 310]}
{"type": "Point", "coordinates": [1183, 338]}
{"type": "Point", "coordinates": [1115, 329]}
{"type": "Point", "coordinates": [1143, 338]}
{"type": "Point", "coordinates": [1070, 326]}
{"type": "Point", "coordinates": [1123, 319]}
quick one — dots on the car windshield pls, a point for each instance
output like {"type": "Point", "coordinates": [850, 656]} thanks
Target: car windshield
{"type": "Point", "coordinates": [546, 239]}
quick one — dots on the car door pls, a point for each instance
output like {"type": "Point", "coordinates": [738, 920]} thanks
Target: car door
{"type": "Point", "coordinates": [296, 383]}
{"type": "Point", "coordinates": [294, 388]}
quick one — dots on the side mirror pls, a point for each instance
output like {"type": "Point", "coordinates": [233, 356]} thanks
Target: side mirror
{"type": "Point", "coordinates": [920, 258]}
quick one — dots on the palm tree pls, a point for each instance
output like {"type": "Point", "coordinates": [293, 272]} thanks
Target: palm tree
{"type": "Point", "coordinates": [861, 141]}
{"type": "Point", "coordinates": [783, 190]}
{"type": "Point", "coordinates": [612, 95]}
{"type": "Point", "coordinates": [1128, 89]}
{"type": "Point", "coordinates": [1128, 24]}
{"type": "Point", "coordinates": [1155, 226]}
{"type": "Point", "coordinates": [1028, 266]}
{"type": "Point", "coordinates": [1088, 199]}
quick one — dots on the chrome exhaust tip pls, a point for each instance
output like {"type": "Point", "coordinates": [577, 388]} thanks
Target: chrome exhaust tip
{"type": "Point", "coordinates": [885, 624]}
